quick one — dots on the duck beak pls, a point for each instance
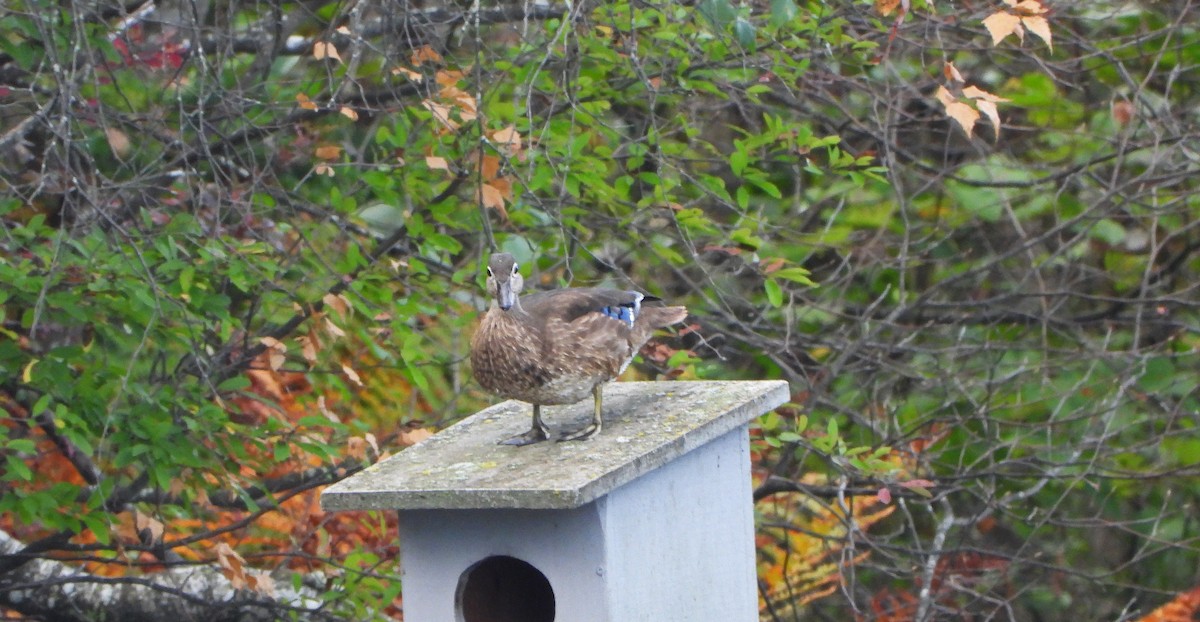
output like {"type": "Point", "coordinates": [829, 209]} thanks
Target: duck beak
{"type": "Point", "coordinates": [505, 296]}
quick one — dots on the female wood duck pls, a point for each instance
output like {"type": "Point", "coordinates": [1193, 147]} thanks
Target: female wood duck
{"type": "Point", "coordinates": [555, 347]}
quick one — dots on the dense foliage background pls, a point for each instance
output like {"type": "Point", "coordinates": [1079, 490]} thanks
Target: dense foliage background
{"type": "Point", "coordinates": [239, 247]}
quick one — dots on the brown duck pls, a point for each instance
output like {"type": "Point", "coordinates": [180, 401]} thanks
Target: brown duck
{"type": "Point", "coordinates": [557, 346]}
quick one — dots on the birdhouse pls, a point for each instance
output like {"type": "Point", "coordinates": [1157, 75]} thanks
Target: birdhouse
{"type": "Point", "coordinates": [651, 519]}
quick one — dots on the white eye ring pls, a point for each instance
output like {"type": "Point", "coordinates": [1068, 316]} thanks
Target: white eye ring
{"type": "Point", "coordinates": [516, 268]}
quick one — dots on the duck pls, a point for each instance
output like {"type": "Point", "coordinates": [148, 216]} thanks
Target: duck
{"type": "Point", "coordinates": [556, 347]}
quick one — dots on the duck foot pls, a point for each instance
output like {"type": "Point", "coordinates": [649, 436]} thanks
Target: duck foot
{"type": "Point", "coordinates": [581, 434]}
{"type": "Point", "coordinates": [534, 435]}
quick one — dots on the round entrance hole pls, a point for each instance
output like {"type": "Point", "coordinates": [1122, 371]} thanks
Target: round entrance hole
{"type": "Point", "coordinates": [504, 589]}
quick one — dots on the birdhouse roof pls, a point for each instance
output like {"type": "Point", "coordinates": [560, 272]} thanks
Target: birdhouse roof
{"type": "Point", "coordinates": [646, 425]}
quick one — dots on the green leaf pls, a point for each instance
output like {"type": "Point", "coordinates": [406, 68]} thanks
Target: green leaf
{"type": "Point", "coordinates": [782, 12]}
{"type": "Point", "coordinates": [718, 12]}
{"type": "Point", "coordinates": [796, 275]}
{"type": "Point", "coordinates": [774, 292]}
{"type": "Point", "coordinates": [745, 33]}
{"type": "Point", "coordinates": [17, 469]}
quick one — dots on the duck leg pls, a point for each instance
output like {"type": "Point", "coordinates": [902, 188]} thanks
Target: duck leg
{"type": "Point", "coordinates": [591, 428]}
{"type": "Point", "coordinates": [537, 433]}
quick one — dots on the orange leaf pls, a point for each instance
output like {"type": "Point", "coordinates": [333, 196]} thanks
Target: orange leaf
{"type": "Point", "coordinates": [412, 437]}
{"type": "Point", "coordinates": [989, 110]}
{"type": "Point", "coordinates": [964, 115]}
{"type": "Point", "coordinates": [508, 138]}
{"type": "Point", "coordinates": [305, 102]}
{"type": "Point", "coordinates": [1122, 112]}
{"type": "Point", "coordinates": [232, 565]}
{"type": "Point", "coordinates": [309, 345]}
{"type": "Point", "coordinates": [504, 186]}
{"type": "Point", "coordinates": [489, 165]}
{"type": "Point", "coordinates": [425, 54]}
{"type": "Point", "coordinates": [1040, 27]}
{"type": "Point", "coordinates": [152, 528]}
{"type": "Point", "coordinates": [441, 113]}
{"type": "Point", "coordinates": [339, 303]}
{"type": "Point", "coordinates": [408, 73]}
{"type": "Point", "coordinates": [324, 49]}
{"type": "Point", "coordinates": [945, 96]}
{"type": "Point", "coordinates": [329, 414]}
{"type": "Point", "coordinates": [276, 351]}
{"type": "Point", "coordinates": [334, 329]}
{"type": "Point", "coordinates": [492, 197]}
{"type": "Point", "coordinates": [262, 583]}
{"type": "Point", "coordinates": [975, 92]}
{"type": "Point", "coordinates": [118, 141]}
{"type": "Point", "coordinates": [348, 112]}
{"type": "Point", "coordinates": [1029, 7]}
{"type": "Point", "coordinates": [772, 265]}
{"type": "Point", "coordinates": [437, 163]}
{"type": "Point", "coordinates": [952, 73]}
{"type": "Point", "coordinates": [1001, 24]}
{"type": "Point", "coordinates": [352, 375]}
{"type": "Point", "coordinates": [1183, 609]}
{"type": "Point", "coordinates": [886, 7]}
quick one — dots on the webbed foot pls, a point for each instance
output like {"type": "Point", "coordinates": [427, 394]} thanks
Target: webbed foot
{"type": "Point", "coordinates": [581, 434]}
{"type": "Point", "coordinates": [534, 435]}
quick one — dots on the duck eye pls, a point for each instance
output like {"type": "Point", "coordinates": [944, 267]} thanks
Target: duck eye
{"type": "Point", "coordinates": [490, 271]}
{"type": "Point", "coordinates": [516, 268]}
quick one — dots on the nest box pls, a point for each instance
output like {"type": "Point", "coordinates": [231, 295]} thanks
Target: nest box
{"type": "Point", "coordinates": [651, 519]}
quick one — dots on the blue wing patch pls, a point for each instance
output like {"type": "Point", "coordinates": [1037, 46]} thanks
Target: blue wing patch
{"type": "Point", "coordinates": [626, 313]}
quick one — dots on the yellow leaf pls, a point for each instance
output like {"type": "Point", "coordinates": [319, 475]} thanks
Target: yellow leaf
{"type": "Point", "coordinates": [964, 115]}
{"type": "Point", "coordinates": [437, 163]}
{"type": "Point", "coordinates": [27, 373]}
{"type": "Point", "coordinates": [989, 110]}
{"type": "Point", "coordinates": [349, 113]}
{"type": "Point", "coordinates": [328, 152]}
{"type": "Point", "coordinates": [1040, 27]}
{"type": "Point", "coordinates": [1001, 24]}
{"type": "Point", "coordinates": [305, 102]}
{"type": "Point", "coordinates": [324, 49]}
{"type": "Point", "coordinates": [352, 375]}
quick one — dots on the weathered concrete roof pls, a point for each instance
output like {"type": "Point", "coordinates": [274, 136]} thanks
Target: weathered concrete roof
{"type": "Point", "coordinates": [646, 425]}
